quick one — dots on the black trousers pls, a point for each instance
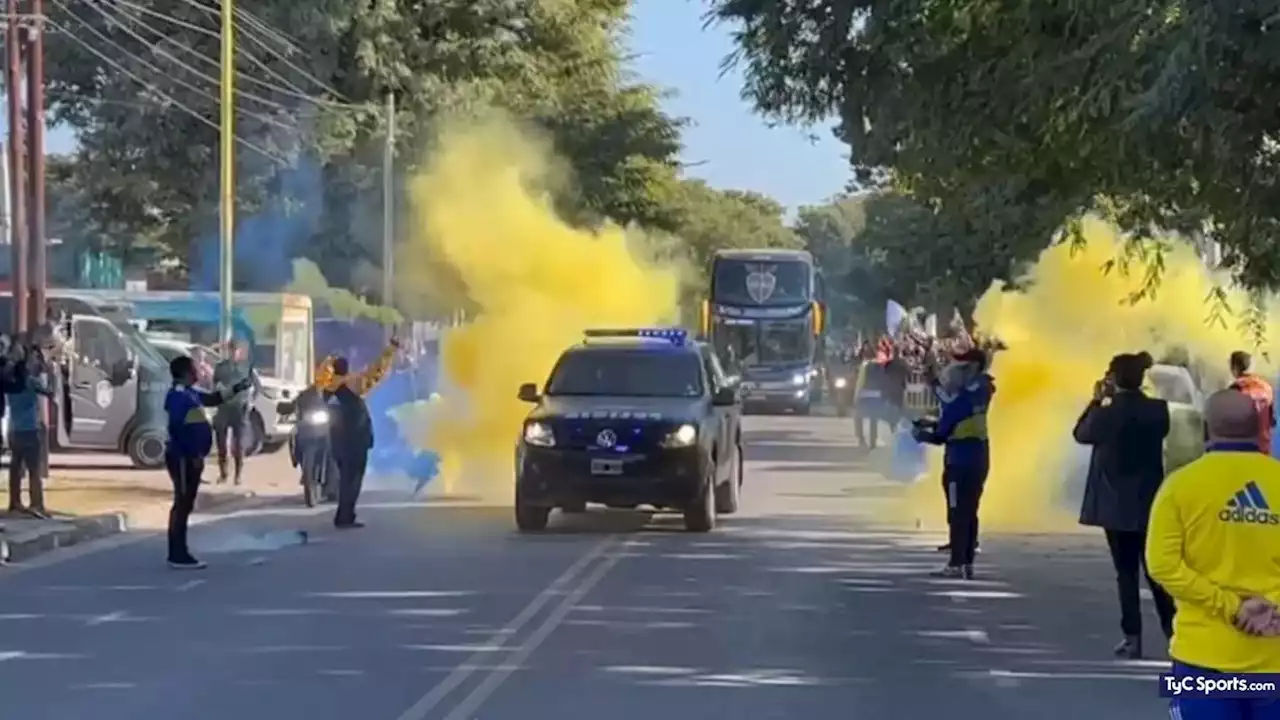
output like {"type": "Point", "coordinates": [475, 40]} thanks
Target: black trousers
{"type": "Point", "coordinates": [1127, 555]}
{"type": "Point", "coordinates": [351, 466]}
{"type": "Point", "coordinates": [185, 474]}
{"type": "Point", "coordinates": [963, 485]}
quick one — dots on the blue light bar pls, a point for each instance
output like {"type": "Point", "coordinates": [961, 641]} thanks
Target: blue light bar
{"type": "Point", "coordinates": [675, 336]}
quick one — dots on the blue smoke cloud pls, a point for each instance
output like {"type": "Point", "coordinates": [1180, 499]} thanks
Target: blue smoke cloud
{"type": "Point", "coordinates": [265, 245]}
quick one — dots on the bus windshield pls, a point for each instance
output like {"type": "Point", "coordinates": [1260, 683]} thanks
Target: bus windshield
{"type": "Point", "coordinates": [771, 283]}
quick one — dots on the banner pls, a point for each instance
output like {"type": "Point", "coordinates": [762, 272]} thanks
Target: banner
{"type": "Point", "coordinates": [894, 315]}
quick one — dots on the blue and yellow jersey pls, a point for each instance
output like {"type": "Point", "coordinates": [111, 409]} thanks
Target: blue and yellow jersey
{"type": "Point", "coordinates": [1212, 541]}
{"type": "Point", "coordinates": [190, 435]}
{"type": "Point", "coordinates": [962, 423]}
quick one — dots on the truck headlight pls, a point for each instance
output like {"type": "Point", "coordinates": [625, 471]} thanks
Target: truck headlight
{"type": "Point", "coordinates": [799, 379]}
{"type": "Point", "coordinates": [538, 434]}
{"type": "Point", "coordinates": [317, 417]}
{"type": "Point", "coordinates": [271, 393]}
{"type": "Point", "coordinates": [683, 436]}
{"type": "Point", "coordinates": [841, 383]}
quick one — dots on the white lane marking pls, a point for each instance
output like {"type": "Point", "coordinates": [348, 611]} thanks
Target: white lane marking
{"type": "Point", "coordinates": [112, 617]}
{"type": "Point", "coordinates": [423, 707]}
{"type": "Point", "coordinates": [490, 684]}
{"type": "Point", "coordinates": [189, 585]}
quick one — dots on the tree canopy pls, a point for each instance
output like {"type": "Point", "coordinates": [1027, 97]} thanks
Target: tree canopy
{"type": "Point", "coordinates": [876, 246]}
{"type": "Point", "coordinates": [138, 83]}
{"type": "Point", "coordinates": [1013, 116]}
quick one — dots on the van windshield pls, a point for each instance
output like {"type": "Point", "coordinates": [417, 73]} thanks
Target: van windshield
{"type": "Point", "coordinates": [140, 346]}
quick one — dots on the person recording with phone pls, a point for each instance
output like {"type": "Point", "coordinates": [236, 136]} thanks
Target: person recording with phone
{"type": "Point", "coordinates": [1125, 430]}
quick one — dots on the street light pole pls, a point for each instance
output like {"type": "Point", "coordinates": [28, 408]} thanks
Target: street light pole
{"type": "Point", "coordinates": [227, 191]}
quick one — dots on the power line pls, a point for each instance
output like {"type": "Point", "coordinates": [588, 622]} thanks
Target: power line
{"type": "Point", "coordinates": [288, 88]}
{"type": "Point", "coordinates": [243, 17]}
{"type": "Point", "coordinates": [154, 48]}
{"type": "Point", "coordinates": [158, 92]}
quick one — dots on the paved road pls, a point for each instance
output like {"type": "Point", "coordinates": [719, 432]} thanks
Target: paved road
{"type": "Point", "coordinates": [802, 606]}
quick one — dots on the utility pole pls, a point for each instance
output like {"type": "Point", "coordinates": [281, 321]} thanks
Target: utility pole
{"type": "Point", "coordinates": [389, 207]}
{"type": "Point", "coordinates": [35, 125]}
{"type": "Point", "coordinates": [6, 222]}
{"type": "Point", "coordinates": [17, 178]}
{"type": "Point", "coordinates": [227, 184]}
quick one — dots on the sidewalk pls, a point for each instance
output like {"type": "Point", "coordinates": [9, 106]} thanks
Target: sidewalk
{"type": "Point", "coordinates": [95, 496]}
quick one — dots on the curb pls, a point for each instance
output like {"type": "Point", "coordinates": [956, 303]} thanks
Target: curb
{"type": "Point", "coordinates": [79, 531]}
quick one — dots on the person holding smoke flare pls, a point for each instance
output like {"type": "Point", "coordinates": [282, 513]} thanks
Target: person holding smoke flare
{"type": "Point", "coordinates": [965, 391]}
{"type": "Point", "coordinates": [1126, 430]}
{"type": "Point", "coordinates": [351, 438]}
{"type": "Point", "coordinates": [189, 443]}
{"type": "Point", "coordinates": [1215, 544]}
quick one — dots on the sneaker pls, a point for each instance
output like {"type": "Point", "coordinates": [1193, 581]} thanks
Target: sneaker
{"type": "Point", "coordinates": [944, 548]}
{"type": "Point", "coordinates": [188, 564]}
{"type": "Point", "coordinates": [968, 572]}
{"type": "Point", "coordinates": [37, 513]}
{"type": "Point", "coordinates": [349, 526]}
{"type": "Point", "coordinates": [1130, 648]}
{"type": "Point", "coordinates": [952, 572]}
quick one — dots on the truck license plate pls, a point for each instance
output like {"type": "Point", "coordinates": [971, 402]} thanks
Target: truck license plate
{"type": "Point", "coordinates": [606, 467]}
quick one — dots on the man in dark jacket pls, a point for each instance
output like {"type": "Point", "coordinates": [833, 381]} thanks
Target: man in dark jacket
{"type": "Point", "coordinates": [1126, 430]}
{"type": "Point", "coordinates": [351, 438]}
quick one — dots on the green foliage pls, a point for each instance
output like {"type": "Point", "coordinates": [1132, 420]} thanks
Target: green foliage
{"type": "Point", "coordinates": [883, 245]}
{"type": "Point", "coordinates": [344, 304]}
{"type": "Point", "coordinates": [138, 83]}
{"type": "Point", "coordinates": [1010, 117]}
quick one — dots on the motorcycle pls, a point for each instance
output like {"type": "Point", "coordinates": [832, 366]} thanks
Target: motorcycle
{"type": "Point", "coordinates": [309, 451]}
{"type": "Point", "coordinates": [842, 389]}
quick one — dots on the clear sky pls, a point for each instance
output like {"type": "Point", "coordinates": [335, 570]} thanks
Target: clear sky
{"type": "Point", "coordinates": [725, 144]}
{"type": "Point", "coordinates": [736, 148]}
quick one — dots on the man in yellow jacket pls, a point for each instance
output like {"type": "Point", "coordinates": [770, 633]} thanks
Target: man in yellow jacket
{"type": "Point", "coordinates": [1214, 544]}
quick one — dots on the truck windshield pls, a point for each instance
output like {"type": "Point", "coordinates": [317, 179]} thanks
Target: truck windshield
{"type": "Point", "coordinates": [628, 372]}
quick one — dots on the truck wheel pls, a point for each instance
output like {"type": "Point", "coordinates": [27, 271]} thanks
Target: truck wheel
{"type": "Point", "coordinates": [145, 448]}
{"type": "Point", "coordinates": [700, 517]}
{"type": "Point", "coordinates": [530, 518]}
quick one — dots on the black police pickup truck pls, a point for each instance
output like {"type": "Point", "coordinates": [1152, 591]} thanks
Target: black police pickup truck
{"type": "Point", "coordinates": [631, 418]}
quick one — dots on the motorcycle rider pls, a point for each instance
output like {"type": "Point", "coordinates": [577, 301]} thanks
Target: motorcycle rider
{"type": "Point", "coordinates": [311, 445]}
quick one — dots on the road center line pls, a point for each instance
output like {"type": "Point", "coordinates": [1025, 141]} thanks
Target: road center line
{"type": "Point", "coordinates": [490, 684]}
{"type": "Point", "coordinates": [468, 667]}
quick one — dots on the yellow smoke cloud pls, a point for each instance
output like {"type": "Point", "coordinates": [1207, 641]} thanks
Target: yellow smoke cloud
{"type": "Point", "coordinates": [533, 284]}
{"type": "Point", "coordinates": [1061, 332]}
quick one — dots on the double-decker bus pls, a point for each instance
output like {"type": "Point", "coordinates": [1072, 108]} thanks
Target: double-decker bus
{"type": "Point", "coordinates": [766, 320]}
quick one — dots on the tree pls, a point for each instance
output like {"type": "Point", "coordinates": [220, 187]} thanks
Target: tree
{"type": "Point", "coordinates": [880, 246]}
{"type": "Point", "coordinates": [1012, 117]}
{"type": "Point", "coordinates": [138, 84]}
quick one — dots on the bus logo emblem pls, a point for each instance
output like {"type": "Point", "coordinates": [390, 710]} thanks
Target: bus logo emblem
{"type": "Point", "coordinates": [761, 282]}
